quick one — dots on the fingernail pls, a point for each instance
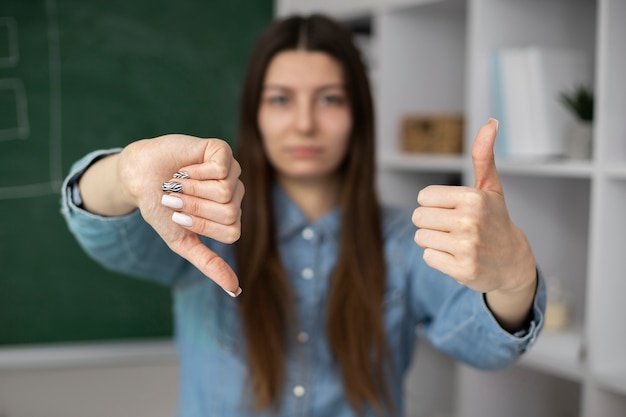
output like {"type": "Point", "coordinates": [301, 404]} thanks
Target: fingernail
{"type": "Point", "coordinates": [171, 201]}
{"type": "Point", "coordinates": [172, 187]}
{"type": "Point", "coordinates": [495, 121]}
{"type": "Point", "coordinates": [180, 174]}
{"type": "Point", "coordinates": [182, 219]}
{"type": "Point", "coordinates": [233, 294]}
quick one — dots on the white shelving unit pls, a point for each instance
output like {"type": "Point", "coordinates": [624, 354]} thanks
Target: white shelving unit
{"type": "Point", "coordinates": [431, 56]}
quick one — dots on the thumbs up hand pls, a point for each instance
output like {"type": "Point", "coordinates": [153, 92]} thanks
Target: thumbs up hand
{"type": "Point", "coordinates": [466, 233]}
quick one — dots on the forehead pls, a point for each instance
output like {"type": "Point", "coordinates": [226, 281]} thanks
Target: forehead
{"type": "Point", "coordinates": [303, 68]}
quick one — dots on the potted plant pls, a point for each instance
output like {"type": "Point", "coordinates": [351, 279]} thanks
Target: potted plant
{"type": "Point", "coordinates": [579, 102]}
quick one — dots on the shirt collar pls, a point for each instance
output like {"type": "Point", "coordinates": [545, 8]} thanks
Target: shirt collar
{"type": "Point", "coordinates": [290, 219]}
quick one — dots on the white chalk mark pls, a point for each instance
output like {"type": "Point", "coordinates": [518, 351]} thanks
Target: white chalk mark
{"type": "Point", "coordinates": [13, 53]}
{"type": "Point", "coordinates": [21, 127]}
{"type": "Point", "coordinates": [55, 111]}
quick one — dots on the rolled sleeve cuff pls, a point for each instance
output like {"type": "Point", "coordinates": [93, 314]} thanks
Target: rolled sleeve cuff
{"type": "Point", "coordinates": [479, 340]}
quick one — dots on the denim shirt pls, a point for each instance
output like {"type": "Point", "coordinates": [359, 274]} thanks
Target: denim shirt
{"type": "Point", "coordinates": [208, 331]}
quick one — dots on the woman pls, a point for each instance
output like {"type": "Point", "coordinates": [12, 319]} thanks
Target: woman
{"type": "Point", "coordinates": [334, 284]}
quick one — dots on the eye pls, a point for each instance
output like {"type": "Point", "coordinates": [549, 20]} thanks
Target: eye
{"type": "Point", "coordinates": [278, 100]}
{"type": "Point", "coordinates": [332, 99]}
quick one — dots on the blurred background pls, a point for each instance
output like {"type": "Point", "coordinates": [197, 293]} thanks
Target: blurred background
{"type": "Point", "coordinates": [76, 340]}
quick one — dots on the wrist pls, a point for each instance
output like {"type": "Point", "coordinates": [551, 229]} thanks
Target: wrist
{"type": "Point", "coordinates": [102, 191]}
{"type": "Point", "coordinates": [513, 307]}
{"type": "Point", "coordinates": [512, 304]}
{"type": "Point", "coordinates": [523, 276]}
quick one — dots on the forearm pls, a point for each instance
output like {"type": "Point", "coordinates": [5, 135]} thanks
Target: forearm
{"type": "Point", "coordinates": [101, 191]}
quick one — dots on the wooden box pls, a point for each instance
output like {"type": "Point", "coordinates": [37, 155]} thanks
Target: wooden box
{"type": "Point", "coordinates": [433, 134]}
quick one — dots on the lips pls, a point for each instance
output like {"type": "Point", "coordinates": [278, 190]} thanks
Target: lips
{"type": "Point", "coordinates": [304, 151]}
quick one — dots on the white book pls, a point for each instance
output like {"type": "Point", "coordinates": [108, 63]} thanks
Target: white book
{"type": "Point", "coordinates": [511, 103]}
{"type": "Point", "coordinates": [552, 72]}
{"type": "Point", "coordinates": [517, 102]}
{"type": "Point", "coordinates": [526, 84]}
{"type": "Point", "coordinates": [496, 90]}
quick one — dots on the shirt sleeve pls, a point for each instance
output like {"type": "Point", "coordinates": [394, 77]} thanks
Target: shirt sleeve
{"type": "Point", "coordinates": [124, 244]}
{"type": "Point", "coordinates": [457, 320]}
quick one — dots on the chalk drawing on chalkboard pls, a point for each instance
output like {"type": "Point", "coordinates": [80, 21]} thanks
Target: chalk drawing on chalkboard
{"type": "Point", "coordinates": [14, 117]}
{"type": "Point", "coordinates": [9, 51]}
{"type": "Point", "coordinates": [14, 122]}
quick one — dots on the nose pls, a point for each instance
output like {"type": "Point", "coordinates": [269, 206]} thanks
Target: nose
{"type": "Point", "coordinates": [305, 117]}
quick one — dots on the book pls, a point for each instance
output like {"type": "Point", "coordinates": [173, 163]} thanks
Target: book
{"type": "Point", "coordinates": [525, 86]}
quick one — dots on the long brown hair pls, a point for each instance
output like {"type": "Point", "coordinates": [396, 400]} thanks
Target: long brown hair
{"type": "Point", "coordinates": [355, 326]}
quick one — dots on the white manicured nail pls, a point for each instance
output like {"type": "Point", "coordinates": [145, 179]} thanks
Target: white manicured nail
{"type": "Point", "coordinates": [182, 219]}
{"type": "Point", "coordinates": [171, 201]}
{"type": "Point", "coordinates": [233, 294]}
{"type": "Point", "coordinates": [495, 121]}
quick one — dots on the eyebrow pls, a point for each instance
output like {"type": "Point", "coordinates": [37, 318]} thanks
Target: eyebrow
{"type": "Point", "coordinates": [321, 88]}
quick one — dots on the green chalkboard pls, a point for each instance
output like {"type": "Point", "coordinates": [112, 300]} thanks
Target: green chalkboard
{"type": "Point", "coordinates": [80, 75]}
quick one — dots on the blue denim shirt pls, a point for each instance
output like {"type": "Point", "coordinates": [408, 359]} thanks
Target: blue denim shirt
{"type": "Point", "coordinates": [208, 332]}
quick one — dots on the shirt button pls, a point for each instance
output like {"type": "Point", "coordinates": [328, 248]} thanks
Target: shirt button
{"type": "Point", "coordinates": [303, 337]}
{"type": "Point", "coordinates": [307, 273]}
{"type": "Point", "coordinates": [308, 233]}
{"type": "Point", "coordinates": [298, 390]}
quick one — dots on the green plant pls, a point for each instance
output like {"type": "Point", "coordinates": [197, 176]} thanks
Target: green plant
{"type": "Point", "coordinates": [580, 102]}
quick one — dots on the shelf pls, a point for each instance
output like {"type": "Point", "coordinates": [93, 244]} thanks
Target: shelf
{"type": "Point", "coordinates": [556, 169]}
{"type": "Point", "coordinates": [616, 171]}
{"type": "Point", "coordinates": [443, 5]}
{"type": "Point", "coordinates": [422, 163]}
{"type": "Point", "coordinates": [557, 353]}
{"type": "Point", "coordinates": [434, 56]}
{"type": "Point", "coordinates": [341, 9]}
{"type": "Point", "coordinates": [614, 380]}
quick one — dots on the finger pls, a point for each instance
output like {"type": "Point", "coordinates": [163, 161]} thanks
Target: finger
{"type": "Point", "coordinates": [435, 218]}
{"type": "Point", "coordinates": [209, 211]}
{"type": "Point", "coordinates": [225, 233]}
{"type": "Point", "coordinates": [209, 263]}
{"type": "Point", "coordinates": [220, 191]}
{"type": "Point", "coordinates": [450, 265]}
{"type": "Point", "coordinates": [441, 261]}
{"type": "Point", "coordinates": [435, 239]}
{"type": "Point", "coordinates": [485, 173]}
{"type": "Point", "coordinates": [223, 213]}
{"type": "Point", "coordinates": [442, 196]}
{"type": "Point", "coordinates": [216, 163]}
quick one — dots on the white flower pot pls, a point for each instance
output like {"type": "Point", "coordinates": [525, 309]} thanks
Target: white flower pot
{"type": "Point", "coordinates": [579, 138]}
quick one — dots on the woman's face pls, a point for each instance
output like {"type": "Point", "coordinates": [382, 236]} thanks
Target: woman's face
{"type": "Point", "coordinates": [304, 115]}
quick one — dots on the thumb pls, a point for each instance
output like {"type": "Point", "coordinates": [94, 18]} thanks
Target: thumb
{"type": "Point", "coordinates": [485, 173]}
{"type": "Point", "coordinates": [208, 262]}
